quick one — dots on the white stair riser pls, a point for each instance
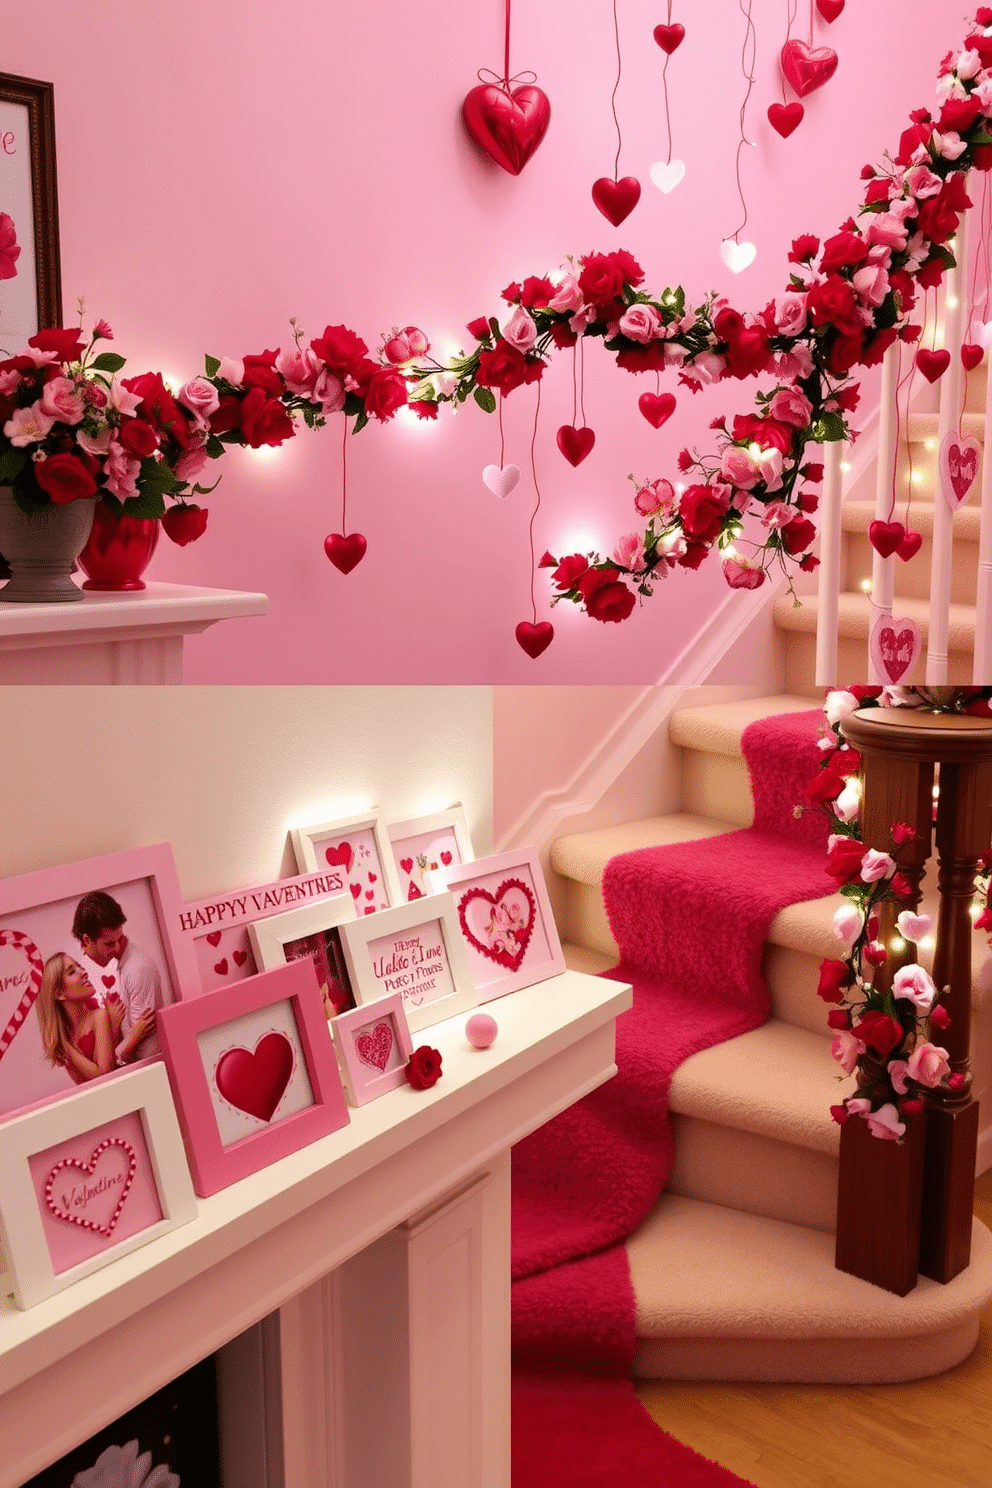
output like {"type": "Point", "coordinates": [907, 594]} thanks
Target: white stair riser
{"type": "Point", "coordinates": [755, 1174]}
{"type": "Point", "coordinates": [912, 580]}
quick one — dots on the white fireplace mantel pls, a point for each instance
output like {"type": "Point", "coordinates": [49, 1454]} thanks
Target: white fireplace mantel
{"type": "Point", "coordinates": [386, 1247]}
{"type": "Point", "coordinates": [108, 639]}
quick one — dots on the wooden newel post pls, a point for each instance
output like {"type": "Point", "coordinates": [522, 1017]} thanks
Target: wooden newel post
{"type": "Point", "coordinates": [900, 748]}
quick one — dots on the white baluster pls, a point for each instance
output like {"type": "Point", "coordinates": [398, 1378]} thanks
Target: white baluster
{"type": "Point", "coordinates": [883, 569]}
{"type": "Point", "coordinates": [950, 410]}
{"type": "Point", "coordinates": [828, 589]}
{"type": "Point", "coordinates": [982, 673]}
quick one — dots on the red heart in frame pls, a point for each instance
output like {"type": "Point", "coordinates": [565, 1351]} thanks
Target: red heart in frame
{"type": "Point", "coordinates": [375, 1048]}
{"type": "Point", "coordinates": [255, 1082]}
{"type": "Point", "coordinates": [971, 355]}
{"type": "Point", "coordinates": [499, 925]}
{"type": "Point", "coordinates": [933, 364]}
{"type": "Point", "coordinates": [616, 199]}
{"type": "Point", "coordinates": [406, 864]}
{"type": "Point", "coordinates": [239, 957]}
{"type": "Point", "coordinates": [785, 117]}
{"type": "Point", "coordinates": [534, 638]}
{"type": "Point", "coordinates": [575, 444]}
{"type": "Point", "coordinates": [807, 67]}
{"type": "Point", "coordinates": [669, 38]}
{"type": "Point", "coordinates": [339, 856]}
{"type": "Point", "coordinates": [830, 9]}
{"type": "Point", "coordinates": [108, 1193]}
{"type": "Point", "coordinates": [345, 553]}
{"type": "Point", "coordinates": [507, 125]}
{"type": "Point", "coordinates": [221, 967]}
{"type": "Point", "coordinates": [885, 537]}
{"type": "Point", "coordinates": [26, 947]}
{"type": "Point", "coordinates": [213, 938]}
{"type": "Point", "coordinates": [657, 408]}
{"type": "Point", "coordinates": [108, 981]}
{"type": "Point", "coordinates": [446, 859]}
{"type": "Point", "coordinates": [356, 890]}
{"type": "Point", "coordinates": [910, 546]}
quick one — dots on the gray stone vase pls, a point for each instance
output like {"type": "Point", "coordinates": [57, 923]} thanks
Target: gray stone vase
{"type": "Point", "coordinates": [41, 549]}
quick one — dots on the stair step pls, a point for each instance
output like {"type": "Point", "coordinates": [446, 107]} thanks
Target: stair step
{"type": "Point", "coordinates": [726, 1295]}
{"type": "Point", "coordinates": [797, 617]}
{"type": "Point", "coordinates": [912, 580]}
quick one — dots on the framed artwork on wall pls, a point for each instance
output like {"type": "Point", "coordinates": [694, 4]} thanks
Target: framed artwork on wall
{"type": "Point", "coordinates": [312, 933]}
{"type": "Point", "coordinates": [427, 844]}
{"type": "Point", "coordinates": [373, 1045]}
{"type": "Point", "coordinates": [357, 846]}
{"type": "Point", "coordinates": [218, 926]}
{"type": "Point", "coordinates": [88, 954]}
{"type": "Point", "coordinates": [90, 1178]}
{"type": "Point", "coordinates": [415, 950]}
{"type": "Point", "coordinates": [30, 273]}
{"type": "Point", "coordinates": [254, 1074]}
{"type": "Point", "coordinates": [505, 920]}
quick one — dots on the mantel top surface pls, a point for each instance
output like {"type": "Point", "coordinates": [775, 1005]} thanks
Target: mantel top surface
{"type": "Point", "coordinates": [153, 607]}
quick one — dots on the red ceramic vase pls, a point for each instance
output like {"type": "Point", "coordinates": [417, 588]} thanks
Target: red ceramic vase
{"type": "Point", "coordinates": [118, 551]}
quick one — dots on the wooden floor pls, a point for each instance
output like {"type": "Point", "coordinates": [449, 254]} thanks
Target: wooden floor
{"type": "Point", "coordinates": [935, 1433]}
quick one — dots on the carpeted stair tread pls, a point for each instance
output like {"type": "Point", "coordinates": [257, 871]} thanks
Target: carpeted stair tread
{"type": "Point", "coordinates": [701, 1270]}
{"type": "Point", "coordinates": [776, 1081]}
{"type": "Point", "coordinates": [717, 727]}
{"type": "Point", "coordinates": [924, 426]}
{"type": "Point", "coordinates": [582, 856]}
{"type": "Point", "coordinates": [857, 516]}
{"type": "Point", "coordinates": [855, 615]}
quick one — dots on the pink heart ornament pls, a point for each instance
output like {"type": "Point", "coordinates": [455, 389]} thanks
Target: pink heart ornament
{"type": "Point", "coordinates": [958, 465]}
{"type": "Point", "coordinates": [737, 256]}
{"type": "Point", "coordinates": [501, 479]}
{"type": "Point", "coordinates": [667, 175]}
{"type": "Point", "coordinates": [982, 331]}
{"type": "Point", "coordinates": [895, 648]}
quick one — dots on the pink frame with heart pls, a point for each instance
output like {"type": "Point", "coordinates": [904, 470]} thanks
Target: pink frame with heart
{"type": "Point", "coordinates": [368, 1067]}
{"type": "Point", "coordinates": [412, 841]}
{"type": "Point", "coordinates": [359, 846]}
{"type": "Point", "coordinates": [522, 948]}
{"type": "Point", "coordinates": [214, 1163]}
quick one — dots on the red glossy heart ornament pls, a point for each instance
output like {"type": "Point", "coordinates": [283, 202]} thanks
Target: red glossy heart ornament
{"type": "Point", "coordinates": [910, 546]}
{"type": "Point", "coordinates": [657, 408]}
{"type": "Point", "coordinates": [933, 364]}
{"type": "Point", "coordinates": [885, 537]}
{"type": "Point", "coordinates": [575, 444]}
{"type": "Point", "coordinates": [507, 125]}
{"type": "Point", "coordinates": [806, 67]}
{"type": "Point", "coordinates": [669, 38]}
{"type": "Point", "coordinates": [785, 117]}
{"type": "Point", "coordinates": [971, 355]}
{"type": "Point", "coordinates": [830, 9]}
{"type": "Point", "coordinates": [616, 199]}
{"type": "Point", "coordinates": [534, 638]}
{"type": "Point", "coordinates": [345, 552]}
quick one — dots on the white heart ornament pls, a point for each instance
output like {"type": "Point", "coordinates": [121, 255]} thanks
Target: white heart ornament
{"type": "Point", "coordinates": [500, 479]}
{"type": "Point", "coordinates": [982, 332]}
{"type": "Point", "coordinates": [913, 926]}
{"type": "Point", "coordinates": [737, 256]}
{"type": "Point", "coordinates": [894, 648]}
{"type": "Point", "coordinates": [958, 465]}
{"type": "Point", "coordinates": [666, 176]}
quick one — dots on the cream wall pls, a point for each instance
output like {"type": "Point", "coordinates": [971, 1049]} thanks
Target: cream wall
{"type": "Point", "coordinates": [221, 773]}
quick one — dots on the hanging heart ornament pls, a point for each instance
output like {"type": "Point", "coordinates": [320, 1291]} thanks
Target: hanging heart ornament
{"type": "Point", "coordinates": [345, 552]}
{"type": "Point", "coordinates": [958, 462]}
{"type": "Point", "coordinates": [507, 124]}
{"type": "Point", "coordinates": [616, 199]}
{"type": "Point", "coordinates": [895, 647]}
{"type": "Point", "coordinates": [737, 256]}
{"type": "Point", "coordinates": [666, 174]}
{"type": "Point", "coordinates": [807, 67]}
{"type": "Point", "coordinates": [534, 638]}
{"type": "Point", "coordinates": [500, 479]}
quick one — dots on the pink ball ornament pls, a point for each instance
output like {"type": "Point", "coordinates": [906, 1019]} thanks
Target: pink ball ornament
{"type": "Point", "coordinates": [481, 1030]}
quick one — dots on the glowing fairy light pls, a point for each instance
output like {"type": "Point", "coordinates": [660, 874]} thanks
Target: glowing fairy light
{"type": "Point", "coordinates": [897, 944]}
{"type": "Point", "coordinates": [845, 465]}
{"type": "Point", "coordinates": [866, 586]}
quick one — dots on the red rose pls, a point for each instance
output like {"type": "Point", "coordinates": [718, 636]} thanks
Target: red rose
{"type": "Point", "coordinates": [938, 215]}
{"type": "Point", "coordinates": [478, 328]}
{"type": "Point", "coordinates": [878, 189]}
{"type": "Point", "coordinates": [569, 571]}
{"type": "Point", "coordinates": [808, 563]}
{"type": "Point", "coordinates": [843, 250]}
{"type": "Point", "coordinates": [385, 393]}
{"type": "Point", "coordinates": [844, 353]}
{"type": "Point", "coordinates": [808, 501]}
{"type": "Point", "coordinates": [649, 358]}
{"type": "Point", "coordinates": [138, 438]}
{"type": "Point", "coordinates": [604, 276]}
{"type": "Point", "coordinates": [902, 832]}
{"type": "Point", "coordinates": [769, 433]}
{"type": "Point", "coordinates": [158, 407]}
{"type": "Point", "coordinates": [264, 420]}
{"type": "Point", "coordinates": [826, 786]}
{"type": "Point", "coordinates": [506, 368]}
{"type": "Point", "coordinates": [340, 349]}
{"type": "Point", "coordinates": [847, 398]}
{"type": "Point", "coordinates": [749, 352]}
{"type": "Point", "coordinates": [535, 292]}
{"type": "Point", "coordinates": [424, 408]}
{"type": "Point", "coordinates": [64, 478]}
{"type": "Point", "coordinates": [185, 523]}
{"type": "Point", "coordinates": [880, 1033]}
{"type": "Point", "coordinates": [877, 345]}
{"type": "Point", "coordinates": [940, 1018]}
{"type": "Point", "coordinates": [838, 1018]}
{"type": "Point", "coordinates": [227, 415]}
{"type": "Point", "coordinates": [423, 1068]}
{"type": "Point", "coordinates": [562, 336]}
{"type": "Point", "coordinates": [605, 596]}
{"type": "Point", "coordinates": [260, 371]}
{"type": "Point", "coordinates": [931, 273]}
{"type": "Point", "coordinates": [844, 859]}
{"type": "Point", "coordinates": [834, 977]}
{"type": "Point", "coordinates": [917, 134]}
{"type": "Point", "coordinates": [902, 886]}
{"type": "Point", "coordinates": [797, 535]}
{"type": "Point", "coordinates": [67, 343]}
{"type": "Point", "coordinates": [694, 555]}
{"type": "Point", "coordinates": [702, 514]}
{"type": "Point", "coordinates": [958, 114]}
{"type": "Point", "coordinates": [804, 248]}
{"type": "Point", "coordinates": [846, 761]}
{"type": "Point", "coordinates": [833, 303]}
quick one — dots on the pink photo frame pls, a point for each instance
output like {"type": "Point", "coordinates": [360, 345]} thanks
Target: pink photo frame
{"type": "Point", "coordinates": [358, 846]}
{"type": "Point", "coordinates": [88, 1179]}
{"type": "Point", "coordinates": [373, 1046]}
{"type": "Point", "coordinates": [218, 927]}
{"type": "Point", "coordinates": [254, 1074]}
{"type": "Point", "coordinates": [425, 845]}
{"type": "Point", "coordinates": [41, 1058]}
{"type": "Point", "coordinates": [505, 920]}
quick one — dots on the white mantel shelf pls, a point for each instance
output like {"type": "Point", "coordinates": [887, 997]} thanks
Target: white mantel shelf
{"type": "Point", "coordinates": [411, 1199]}
{"type": "Point", "coordinates": [108, 638]}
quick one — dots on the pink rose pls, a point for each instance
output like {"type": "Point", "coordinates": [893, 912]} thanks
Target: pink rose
{"type": "Point", "coordinates": [200, 397]}
{"type": "Point", "coordinates": [640, 323]}
{"type": "Point", "coordinates": [914, 984]}
{"type": "Point", "coordinates": [655, 498]}
{"type": "Point", "coordinates": [898, 1069]}
{"type": "Point", "coordinates": [232, 370]}
{"type": "Point", "coordinates": [921, 182]}
{"type": "Point", "coordinates": [848, 923]}
{"type": "Point", "coordinates": [95, 444]}
{"type": "Point", "coordinates": [739, 467]}
{"type": "Point", "coordinates": [876, 865]}
{"type": "Point", "coordinates": [740, 573]}
{"type": "Point", "coordinates": [839, 704]}
{"type": "Point", "coordinates": [885, 1123]}
{"type": "Point", "coordinates": [886, 228]}
{"type": "Point", "coordinates": [191, 463]}
{"type": "Point", "coordinates": [28, 426]}
{"type": "Point", "coordinates": [791, 406]}
{"type": "Point", "coordinates": [928, 1064]}
{"type": "Point", "coordinates": [329, 391]}
{"type": "Point", "coordinates": [405, 346]}
{"type": "Point", "coordinates": [298, 368]}
{"type": "Point", "coordinates": [847, 1050]}
{"type": "Point", "coordinates": [707, 367]}
{"type": "Point", "coordinates": [629, 551]}
{"type": "Point", "coordinates": [520, 330]}
{"type": "Point", "coordinates": [872, 284]}
{"type": "Point", "coordinates": [62, 400]}
{"type": "Point", "coordinates": [568, 295]}
{"type": "Point", "coordinates": [120, 474]}
{"type": "Point", "coordinates": [790, 314]}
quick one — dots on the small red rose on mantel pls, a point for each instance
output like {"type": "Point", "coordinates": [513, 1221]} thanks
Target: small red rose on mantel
{"type": "Point", "coordinates": [423, 1068]}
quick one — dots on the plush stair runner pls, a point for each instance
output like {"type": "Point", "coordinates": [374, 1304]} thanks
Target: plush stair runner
{"type": "Point", "coordinates": [691, 921]}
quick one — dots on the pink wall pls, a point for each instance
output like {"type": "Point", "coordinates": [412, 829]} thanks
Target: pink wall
{"type": "Point", "coordinates": [223, 167]}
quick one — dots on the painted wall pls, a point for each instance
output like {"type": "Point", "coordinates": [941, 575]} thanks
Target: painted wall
{"type": "Point", "coordinates": [222, 773]}
{"type": "Point", "coordinates": [225, 166]}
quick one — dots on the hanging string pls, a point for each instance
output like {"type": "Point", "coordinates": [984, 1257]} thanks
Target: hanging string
{"type": "Point", "coordinates": [344, 479]}
{"type": "Point", "coordinates": [664, 86]}
{"type": "Point", "coordinates": [750, 39]}
{"type": "Point", "coordinates": [791, 6]}
{"type": "Point", "coordinates": [810, 37]}
{"type": "Point", "coordinates": [537, 507]}
{"type": "Point", "coordinates": [613, 96]}
{"type": "Point", "coordinates": [575, 384]}
{"type": "Point", "coordinates": [506, 50]}
{"type": "Point", "coordinates": [499, 411]}
{"type": "Point", "coordinates": [582, 379]}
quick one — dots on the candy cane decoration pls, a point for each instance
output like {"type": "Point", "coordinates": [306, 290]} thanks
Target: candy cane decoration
{"type": "Point", "coordinates": [89, 1169]}
{"type": "Point", "coordinates": [22, 942]}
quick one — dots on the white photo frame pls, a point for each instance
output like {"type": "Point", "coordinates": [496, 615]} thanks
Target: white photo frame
{"type": "Point", "coordinates": [46, 1156]}
{"type": "Point", "coordinates": [426, 844]}
{"type": "Point", "coordinates": [417, 950]}
{"type": "Point", "coordinates": [360, 847]}
{"type": "Point", "coordinates": [373, 1046]}
{"type": "Point", "coordinates": [277, 939]}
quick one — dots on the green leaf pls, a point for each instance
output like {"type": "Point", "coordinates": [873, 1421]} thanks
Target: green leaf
{"type": "Point", "coordinates": [146, 505]}
{"type": "Point", "coordinates": [829, 427]}
{"type": "Point", "coordinates": [485, 398]}
{"type": "Point", "coordinates": [12, 462]}
{"type": "Point", "coordinates": [108, 361]}
{"type": "Point", "coordinates": [360, 422]}
{"type": "Point", "coordinates": [211, 365]}
{"type": "Point", "coordinates": [156, 479]}
{"type": "Point", "coordinates": [214, 447]}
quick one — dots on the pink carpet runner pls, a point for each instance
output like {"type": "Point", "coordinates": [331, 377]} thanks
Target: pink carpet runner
{"type": "Point", "coordinates": [691, 922]}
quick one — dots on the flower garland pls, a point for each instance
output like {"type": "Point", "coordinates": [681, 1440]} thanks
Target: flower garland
{"type": "Point", "coordinates": [882, 1035]}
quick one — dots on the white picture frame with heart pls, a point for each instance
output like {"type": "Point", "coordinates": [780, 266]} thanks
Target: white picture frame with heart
{"type": "Point", "coordinates": [373, 1046]}
{"type": "Point", "coordinates": [427, 844]}
{"type": "Point", "coordinates": [86, 1180]}
{"type": "Point", "coordinates": [416, 950]}
{"type": "Point", "coordinates": [357, 846]}
{"type": "Point", "coordinates": [505, 920]}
